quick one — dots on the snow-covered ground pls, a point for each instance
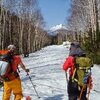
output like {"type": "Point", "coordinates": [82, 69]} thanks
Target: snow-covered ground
{"type": "Point", "coordinates": [48, 77]}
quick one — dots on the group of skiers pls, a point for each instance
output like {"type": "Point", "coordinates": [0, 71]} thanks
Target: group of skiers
{"type": "Point", "coordinates": [77, 67]}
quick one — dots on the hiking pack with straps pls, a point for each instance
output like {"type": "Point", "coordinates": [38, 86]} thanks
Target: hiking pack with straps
{"type": "Point", "coordinates": [82, 70]}
{"type": "Point", "coordinates": [5, 62]}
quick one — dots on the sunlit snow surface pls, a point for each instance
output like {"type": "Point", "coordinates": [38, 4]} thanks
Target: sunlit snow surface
{"type": "Point", "coordinates": [48, 77]}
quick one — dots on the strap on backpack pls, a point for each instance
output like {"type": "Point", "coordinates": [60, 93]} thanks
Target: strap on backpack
{"type": "Point", "coordinates": [76, 66]}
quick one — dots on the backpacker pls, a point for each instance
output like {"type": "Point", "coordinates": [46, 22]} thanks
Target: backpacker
{"type": "Point", "coordinates": [5, 62]}
{"type": "Point", "coordinates": [82, 70]}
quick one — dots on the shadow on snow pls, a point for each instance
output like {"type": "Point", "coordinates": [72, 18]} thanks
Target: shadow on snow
{"type": "Point", "coordinates": [56, 97]}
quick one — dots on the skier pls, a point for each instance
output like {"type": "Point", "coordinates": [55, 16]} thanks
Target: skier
{"type": "Point", "coordinates": [74, 90]}
{"type": "Point", "coordinates": [12, 83]}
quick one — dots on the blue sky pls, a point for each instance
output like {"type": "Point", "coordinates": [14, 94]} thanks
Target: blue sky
{"type": "Point", "coordinates": [54, 11]}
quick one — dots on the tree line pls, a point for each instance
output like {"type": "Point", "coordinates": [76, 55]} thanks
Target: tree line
{"type": "Point", "coordinates": [84, 21]}
{"type": "Point", "coordinates": [22, 24]}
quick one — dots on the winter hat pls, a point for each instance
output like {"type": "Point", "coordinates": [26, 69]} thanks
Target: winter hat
{"type": "Point", "coordinates": [79, 52]}
{"type": "Point", "coordinates": [75, 44]}
{"type": "Point", "coordinates": [75, 49]}
{"type": "Point", "coordinates": [11, 47]}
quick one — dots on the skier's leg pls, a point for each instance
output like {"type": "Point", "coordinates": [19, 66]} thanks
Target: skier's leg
{"type": "Point", "coordinates": [72, 90]}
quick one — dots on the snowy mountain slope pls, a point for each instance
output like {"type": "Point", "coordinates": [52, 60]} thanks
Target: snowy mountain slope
{"type": "Point", "coordinates": [47, 66]}
{"type": "Point", "coordinates": [57, 27]}
{"type": "Point", "coordinates": [47, 74]}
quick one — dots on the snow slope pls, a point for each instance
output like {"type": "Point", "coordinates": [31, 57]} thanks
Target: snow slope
{"type": "Point", "coordinates": [47, 74]}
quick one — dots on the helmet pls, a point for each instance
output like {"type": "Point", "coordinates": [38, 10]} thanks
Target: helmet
{"type": "Point", "coordinates": [11, 47]}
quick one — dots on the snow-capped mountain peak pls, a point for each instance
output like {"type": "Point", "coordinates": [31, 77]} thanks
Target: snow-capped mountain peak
{"type": "Point", "coordinates": [57, 27]}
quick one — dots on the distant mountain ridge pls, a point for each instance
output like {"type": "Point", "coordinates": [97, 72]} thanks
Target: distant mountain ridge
{"type": "Point", "coordinates": [57, 27]}
{"type": "Point", "coordinates": [61, 29]}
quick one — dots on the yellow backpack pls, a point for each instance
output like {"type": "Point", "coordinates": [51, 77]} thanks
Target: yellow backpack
{"type": "Point", "coordinates": [82, 70]}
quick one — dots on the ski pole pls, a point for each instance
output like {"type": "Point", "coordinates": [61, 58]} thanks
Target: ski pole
{"type": "Point", "coordinates": [33, 86]}
{"type": "Point", "coordinates": [66, 77]}
{"type": "Point", "coordinates": [81, 93]}
{"type": "Point", "coordinates": [89, 85]}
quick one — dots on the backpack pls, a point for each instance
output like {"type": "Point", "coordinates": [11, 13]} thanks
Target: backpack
{"type": "Point", "coordinates": [82, 70]}
{"type": "Point", "coordinates": [5, 62]}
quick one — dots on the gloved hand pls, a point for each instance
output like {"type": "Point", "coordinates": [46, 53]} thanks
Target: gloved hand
{"type": "Point", "coordinates": [90, 85]}
{"type": "Point", "coordinates": [27, 70]}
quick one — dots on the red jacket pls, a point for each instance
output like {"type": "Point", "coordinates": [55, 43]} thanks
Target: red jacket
{"type": "Point", "coordinates": [69, 63]}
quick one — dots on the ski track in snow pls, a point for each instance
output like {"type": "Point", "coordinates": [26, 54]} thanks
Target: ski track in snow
{"type": "Point", "coordinates": [48, 77]}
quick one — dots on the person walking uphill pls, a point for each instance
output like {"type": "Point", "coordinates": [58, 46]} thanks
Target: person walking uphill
{"type": "Point", "coordinates": [78, 73]}
{"type": "Point", "coordinates": [11, 80]}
